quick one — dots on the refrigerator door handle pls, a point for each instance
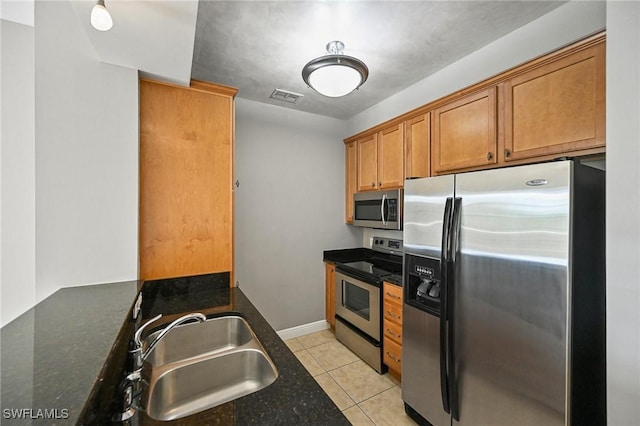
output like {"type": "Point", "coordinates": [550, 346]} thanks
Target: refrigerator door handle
{"type": "Point", "coordinates": [444, 259]}
{"type": "Point", "coordinates": [450, 297]}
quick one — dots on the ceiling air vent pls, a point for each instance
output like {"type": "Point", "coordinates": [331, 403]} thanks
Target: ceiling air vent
{"type": "Point", "coordinates": [286, 96]}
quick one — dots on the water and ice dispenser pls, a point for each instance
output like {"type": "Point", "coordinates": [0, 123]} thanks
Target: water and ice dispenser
{"type": "Point", "coordinates": [422, 282]}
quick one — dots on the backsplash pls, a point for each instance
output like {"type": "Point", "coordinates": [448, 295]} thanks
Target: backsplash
{"type": "Point", "coordinates": [369, 233]}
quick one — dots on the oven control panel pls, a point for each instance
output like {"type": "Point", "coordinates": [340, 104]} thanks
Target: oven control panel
{"type": "Point", "coordinates": [387, 245]}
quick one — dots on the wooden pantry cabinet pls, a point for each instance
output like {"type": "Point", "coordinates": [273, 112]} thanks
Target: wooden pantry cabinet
{"type": "Point", "coordinates": [556, 108]}
{"type": "Point", "coordinates": [186, 173]}
{"type": "Point", "coordinates": [465, 132]}
{"type": "Point", "coordinates": [392, 328]}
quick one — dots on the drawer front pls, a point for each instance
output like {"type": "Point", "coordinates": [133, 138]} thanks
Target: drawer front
{"type": "Point", "coordinates": [393, 331]}
{"type": "Point", "coordinates": [392, 356]}
{"type": "Point", "coordinates": [393, 313]}
{"type": "Point", "coordinates": [392, 294]}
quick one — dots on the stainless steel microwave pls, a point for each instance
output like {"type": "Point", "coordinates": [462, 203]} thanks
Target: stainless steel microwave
{"type": "Point", "coordinates": [378, 209]}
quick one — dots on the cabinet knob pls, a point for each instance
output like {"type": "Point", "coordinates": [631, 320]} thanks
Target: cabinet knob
{"type": "Point", "coordinates": [380, 184]}
{"type": "Point", "coordinates": [489, 156]}
{"type": "Point", "coordinates": [507, 153]}
{"type": "Point", "coordinates": [373, 184]}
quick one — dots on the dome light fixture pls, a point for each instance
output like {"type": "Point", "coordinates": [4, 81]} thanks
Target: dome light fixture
{"type": "Point", "coordinates": [335, 75]}
{"type": "Point", "coordinates": [100, 17]}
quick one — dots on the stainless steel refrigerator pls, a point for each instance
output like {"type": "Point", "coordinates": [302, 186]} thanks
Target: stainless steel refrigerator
{"type": "Point", "coordinates": [504, 297]}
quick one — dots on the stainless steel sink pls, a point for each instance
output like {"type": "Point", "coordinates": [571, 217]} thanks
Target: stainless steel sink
{"type": "Point", "coordinates": [202, 365]}
{"type": "Point", "coordinates": [197, 339]}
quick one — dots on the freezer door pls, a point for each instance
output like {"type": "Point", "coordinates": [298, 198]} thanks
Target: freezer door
{"type": "Point", "coordinates": [511, 296]}
{"type": "Point", "coordinates": [424, 201]}
{"type": "Point", "coordinates": [421, 365]}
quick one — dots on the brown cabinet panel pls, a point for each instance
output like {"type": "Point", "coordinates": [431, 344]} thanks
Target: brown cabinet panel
{"type": "Point", "coordinates": [418, 146]}
{"type": "Point", "coordinates": [557, 108]}
{"type": "Point", "coordinates": [393, 331]}
{"type": "Point", "coordinates": [367, 153]}
{"type": "Point", "coordinates": [186, 199]}
{"type": "Point", "coordinates": [391, 157]}
{"type": "Point", "coordinates": [392, 294]}
{"type": "Point", "coordinates": [465, 132]}
{"type": "Point", "coordinates": [393, 313]}
{"type": "Point", "coordinates": [330, 295]}
{"type": "Point", "coordinates": [351, 179]}
{"type": "Point", "coordinates": [392, 327]}
{"type": "Point", "coordinates": [392, 355]}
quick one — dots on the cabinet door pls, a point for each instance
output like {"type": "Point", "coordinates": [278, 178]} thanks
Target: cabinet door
{"type": "Point", "coordinates": [464, 132]}
{"type": "Point", "coordinates": [186, 157]}
{"type": "Point", "coordinates": [557, 108]}
{"type": "Point", "coordinates": [330, 295]}
{"type": "Point", "coordinates": [417, 146]}
{"type": "Point", "coordinates": [391, 157]}
{"type": "Point", "coordinates": [351, 179]}
{"type": "Point", "coordinates": [367, 149]}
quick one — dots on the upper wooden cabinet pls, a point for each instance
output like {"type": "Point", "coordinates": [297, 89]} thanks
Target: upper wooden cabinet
{"type": "Point", "coordinates": [391, 157]}
{"type": "Point", "coordinates": [465, 132]}
{"type": "Point", "coordinates": [380, 159]}
{"type": "Point", "coordinates": [351, 166]}
{"type": "Point", "coordinates": [556, 108]}
{"type": "Point", "coordinates": [367, 154]}
{"type": "Point", "coordinates": [549, 107]}
{"type": "Point", "coordinates": [417, 146]}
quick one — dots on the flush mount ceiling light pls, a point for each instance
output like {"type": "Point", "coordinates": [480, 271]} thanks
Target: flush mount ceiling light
{"type": "Point", "coordinates": [100, 17]}
{"type": "Point", "coordinates": [335, 74]}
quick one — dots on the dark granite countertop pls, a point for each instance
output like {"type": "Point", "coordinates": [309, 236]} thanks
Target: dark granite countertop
{"type": "Point", "coordinates": [69, 354]}
{"type": "Point", "coordinates": [53, 353]}
{"type": "Point", "coordinates": [294, 398]}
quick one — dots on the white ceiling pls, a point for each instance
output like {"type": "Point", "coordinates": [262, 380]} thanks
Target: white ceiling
{"type": "Point", "coordinates": [258, 46]}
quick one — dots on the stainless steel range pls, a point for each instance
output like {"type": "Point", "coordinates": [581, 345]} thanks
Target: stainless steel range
{"type": "Point", "coordinates": [359, 301]}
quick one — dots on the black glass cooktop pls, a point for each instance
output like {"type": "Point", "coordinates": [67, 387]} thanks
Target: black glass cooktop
{"type": "Point", "coordinates": [374, 270]}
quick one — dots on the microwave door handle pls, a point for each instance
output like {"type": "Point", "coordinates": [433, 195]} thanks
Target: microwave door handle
{"type": "Point", "coordinates": [384, 221]}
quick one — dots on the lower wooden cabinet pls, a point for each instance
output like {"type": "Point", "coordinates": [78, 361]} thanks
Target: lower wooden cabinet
{"type": "Point", "coordinates": [330, 294]}
{"type": "Point", "coordinates": [392, 328]}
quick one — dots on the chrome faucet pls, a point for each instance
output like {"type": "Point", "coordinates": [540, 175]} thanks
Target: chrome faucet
{"type": "Point", "coordinates": [136, 350]}
{"type": "Point", "coordinates": [131, 385]}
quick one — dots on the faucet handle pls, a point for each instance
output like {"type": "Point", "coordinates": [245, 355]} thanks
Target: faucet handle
{"type": "Point", "coordinates": [137, 337]}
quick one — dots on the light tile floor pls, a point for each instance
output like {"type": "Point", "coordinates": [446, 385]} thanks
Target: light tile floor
{"type": "Point", "coordinates": [364, 396]}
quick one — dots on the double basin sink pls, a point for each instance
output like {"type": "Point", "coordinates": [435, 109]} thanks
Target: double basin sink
{"type": "Point", "coordinates": [201, 365]}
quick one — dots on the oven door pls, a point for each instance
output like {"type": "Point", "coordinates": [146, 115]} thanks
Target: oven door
{"type": "Point", "coordinates": [358, 303]}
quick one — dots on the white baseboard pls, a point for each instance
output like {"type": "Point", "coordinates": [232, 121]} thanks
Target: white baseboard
{"type": "Point", "coordinates": [301, 330]}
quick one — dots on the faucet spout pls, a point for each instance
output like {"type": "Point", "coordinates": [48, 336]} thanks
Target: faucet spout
{"type": "Point", "coordinates": [193, 316]}
{"type": "Point", "coordinates": [136, 351]}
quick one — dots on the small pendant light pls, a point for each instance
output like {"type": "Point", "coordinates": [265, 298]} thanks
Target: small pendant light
{"type": "Point", "coordinates": [100, 17]}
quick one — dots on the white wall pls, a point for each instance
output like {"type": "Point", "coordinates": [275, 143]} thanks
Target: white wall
{"type": "Point", "coordinates": [86, 158]}
{"type": "Point", "coordinates": [557, 28]}
{"type": "Point", "coordinates": [288, 209]}
{"type": "Point", "coordinates": [623, 212]}
{"type": "Point", "coordinates": [17, 166]}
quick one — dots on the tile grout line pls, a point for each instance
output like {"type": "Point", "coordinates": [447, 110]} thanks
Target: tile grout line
{"type": "Point", "coordinates": [328, 372]}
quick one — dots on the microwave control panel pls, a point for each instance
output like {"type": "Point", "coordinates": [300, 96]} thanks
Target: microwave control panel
{"type": "Point", "coordinates": [392, 209]}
